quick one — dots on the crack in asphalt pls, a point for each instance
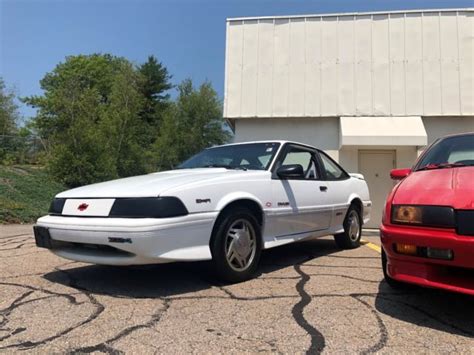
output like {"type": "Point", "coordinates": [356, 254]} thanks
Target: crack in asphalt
{"type": "Point", "coordinates": [17, 247]}
{"type": "Point", "coordinates": [99, 308]}
{"type": "Point", "coordinates": [15, 241]}
{"type": "Point", "coordinates": [440, 320]}
{"type": "Point", "coordinates": [6, 311]}
{"type": "Point", "coordinates": [14, 237]}
{"type": "Point", "coordinates": [382, 342]}
{"type": "Point", "coordinates": [323, 267]}
{"type": "Point", "coordinates": [316, 274]}
{"type": "Point", "coordinates": [18, 243]}
{"type": "Point", "coordinates": [106, 347]}
{"type": "Point", "coordinates": [317, 339]}
{"type": "Point", "coordinates": [18, 255]}
{"type": "Point", "coordinates": [344, 256]}
{"type": "Point", "coordinates": [22, 275]}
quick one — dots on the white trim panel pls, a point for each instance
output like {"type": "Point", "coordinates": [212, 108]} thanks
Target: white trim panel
{"type": "Point", "coordinates": [382, 131]}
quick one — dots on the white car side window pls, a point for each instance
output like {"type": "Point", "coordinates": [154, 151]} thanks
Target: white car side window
{"type": "Point", "coordinates": [305, 159]}
{"type": "Point", "coordinates": [332, 170]}
{"type": "Point", "coordinates": [312, 172]}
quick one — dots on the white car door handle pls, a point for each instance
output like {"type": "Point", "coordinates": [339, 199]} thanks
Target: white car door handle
{"type": "Point", "coordinates": [323, 188]}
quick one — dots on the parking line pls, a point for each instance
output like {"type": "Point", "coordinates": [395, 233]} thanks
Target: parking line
{"type": "Point", "coordinates": [371, 245]}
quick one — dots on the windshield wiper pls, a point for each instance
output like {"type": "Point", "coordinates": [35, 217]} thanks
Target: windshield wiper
{"type": "Point", "coordinates": [440, 166]}
{"type": "Point", "coordinates": [225, 166]}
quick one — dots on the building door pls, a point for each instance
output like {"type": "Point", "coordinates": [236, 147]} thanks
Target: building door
{"type": "Point", "coordinates": [375, 165]}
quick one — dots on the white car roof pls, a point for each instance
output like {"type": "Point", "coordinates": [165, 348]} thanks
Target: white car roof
{"type": "Point", "coordinates": [266, 141]}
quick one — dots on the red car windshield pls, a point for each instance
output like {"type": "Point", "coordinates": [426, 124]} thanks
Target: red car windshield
{"type": "Point", "coordinates": [450, 152]}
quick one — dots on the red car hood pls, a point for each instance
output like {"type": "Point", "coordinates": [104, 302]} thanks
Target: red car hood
{"type": "Point", "coordinates": [443, 187]}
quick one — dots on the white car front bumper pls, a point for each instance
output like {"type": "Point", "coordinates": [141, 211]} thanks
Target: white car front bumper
{"type": "Point", "coordinates": [131, 241]}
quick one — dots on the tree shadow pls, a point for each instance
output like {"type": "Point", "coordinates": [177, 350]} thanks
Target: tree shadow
{"type": "Point", "coordinates": [429, 308]}
{"type": "Point", "coordinates": [164, 280]}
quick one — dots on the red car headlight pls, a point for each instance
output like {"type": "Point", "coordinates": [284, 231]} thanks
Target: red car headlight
{"type": "Point", "coordinates": [407, 214]}
{"type": "Point", "coordinates": [430, 216]}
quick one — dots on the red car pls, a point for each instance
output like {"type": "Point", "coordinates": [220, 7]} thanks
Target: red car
{"type": "Point", "coordinates": [427, 228]}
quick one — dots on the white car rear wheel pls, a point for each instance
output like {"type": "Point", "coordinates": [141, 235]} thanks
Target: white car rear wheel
{"type": "Point", "coordinates": [350, 238]}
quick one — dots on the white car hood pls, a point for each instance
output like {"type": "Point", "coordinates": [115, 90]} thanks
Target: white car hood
{"type": "Point", "coordinates": [154, 184]}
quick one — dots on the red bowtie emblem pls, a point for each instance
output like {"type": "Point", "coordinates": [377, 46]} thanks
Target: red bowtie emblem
{"type": "Point", "coordinates": [82, 207]}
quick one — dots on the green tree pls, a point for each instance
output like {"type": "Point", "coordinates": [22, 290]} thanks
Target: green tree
{"type": "Point", "coordinates": [154, 88]}
{"type": "Point", "coordinates": [8, 110]}
{"type": "Point", "coordinates": [89, 117]}
{"type": "Point", "coordinates": [192, 123]}
{"type": "Point", "coordinates": [8, 124]}
{"type": "Point", "coordinates": [69, 88]}
{"type": "Point", "coordinates": [68, 120]}
{"type": "Point", "coordinates": [122, 123]}
{"type": "Point", "coordinates": [101, 117]}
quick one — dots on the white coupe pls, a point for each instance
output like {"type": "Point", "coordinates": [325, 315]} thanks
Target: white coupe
{"type": "Point", "coordinates": [224, 204]}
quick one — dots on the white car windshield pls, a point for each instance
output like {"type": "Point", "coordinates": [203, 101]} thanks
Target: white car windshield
{"type": "Point", "coordinates": [251, 156]}
{"type": "Point", "coordinates": [450, 152]}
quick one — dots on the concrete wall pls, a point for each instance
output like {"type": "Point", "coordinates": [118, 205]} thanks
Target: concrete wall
{"type": "Point", "coordinates": [404, 156]}
{"type": "Point", "coordinates": [319, 132]}
{"type": "Point", "coordinates": [324, 134]}
{"type": "Point", "coordinates": [381, 64]}
{"type": "Point", "coordinates": [440, 126]}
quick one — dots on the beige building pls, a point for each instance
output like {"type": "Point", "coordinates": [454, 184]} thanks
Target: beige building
{"type": "Point", "coordinates": [371, 89]}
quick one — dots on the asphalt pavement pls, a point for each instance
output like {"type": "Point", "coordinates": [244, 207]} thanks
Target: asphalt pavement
{"type": "Point", "coordinates": [309, 297]}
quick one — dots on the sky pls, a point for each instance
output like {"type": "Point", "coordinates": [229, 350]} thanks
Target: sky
{"type": "Point", "coordinates": [187, 36]}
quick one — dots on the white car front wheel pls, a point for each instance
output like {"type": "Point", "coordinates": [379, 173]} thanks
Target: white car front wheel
{"type": "Point", "coordinates": [236, 245]}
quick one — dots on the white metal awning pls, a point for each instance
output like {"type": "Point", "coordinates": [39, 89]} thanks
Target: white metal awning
{"type": "Point", "coordinates": [382, 131]}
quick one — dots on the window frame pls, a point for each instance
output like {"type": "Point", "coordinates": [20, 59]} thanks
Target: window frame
{"type": "Point", "coordinates": [282, 155]}
{"type": "Point", "coordinates": [345, 174]}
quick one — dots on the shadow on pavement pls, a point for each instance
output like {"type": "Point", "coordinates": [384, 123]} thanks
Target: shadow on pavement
{"type": "Point", "coordinates": [444, 311]}
{"type": "Point", "coordinates": [297, 253]}
{"type": "Point", "coordinates": [163, 280]}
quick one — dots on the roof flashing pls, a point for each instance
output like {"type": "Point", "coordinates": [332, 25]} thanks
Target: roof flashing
{"type": "Point", "coordinates": [342, 14]}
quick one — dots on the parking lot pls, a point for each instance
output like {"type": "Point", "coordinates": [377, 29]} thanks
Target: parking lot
{"type": "Point", "coordinates": [309, 297]}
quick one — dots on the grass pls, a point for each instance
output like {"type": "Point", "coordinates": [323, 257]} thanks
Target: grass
{"type": "Point", "coordinates": [25, 193]}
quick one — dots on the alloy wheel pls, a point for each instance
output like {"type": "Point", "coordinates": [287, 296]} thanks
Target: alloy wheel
{"type": "Point", "coordinates": [240, 245]}
{"type": "Point", "coordinates": [354, 226]}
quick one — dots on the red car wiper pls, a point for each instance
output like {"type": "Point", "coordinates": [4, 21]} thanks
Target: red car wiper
{"type": "Point", "coordinates": [440, 166]}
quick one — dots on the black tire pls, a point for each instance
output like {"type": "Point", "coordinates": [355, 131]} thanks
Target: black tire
{"type": "Point", "coordinates": [350, 238]}
{"type": "Point", "coordinates": [397, 285]}
{"type": "Point", "coordinates": [227, 268]}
